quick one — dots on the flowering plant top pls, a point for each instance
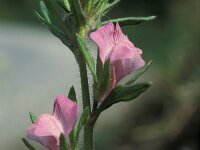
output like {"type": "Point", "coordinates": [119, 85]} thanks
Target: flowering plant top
{"type": "Point", "coordinates": [72, 21]}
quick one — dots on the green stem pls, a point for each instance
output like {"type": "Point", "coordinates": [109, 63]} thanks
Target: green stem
{"type": "Point", "coordinates": [88, 130]}
{"type": "Point", "coordinates": [84, 83]}
{"type": "Point", "coordinates": [88, 136]}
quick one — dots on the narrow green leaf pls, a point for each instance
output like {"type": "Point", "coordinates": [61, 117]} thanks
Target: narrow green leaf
{"type": "Point", "coordinates": [89, 5]}
{"type": "Point", "coordinates": [65, 5]}
{"type": "Point", "coordinates": [100, 7]}
{"type": "Point", "coordinates": [77, 11]}
{"type": "Point", "coordinates": [63, 143]}
{"type": "Point", "coordinates": [28, 145]}
{"type": "Point", "coordinates": [56, 16]}
{"type": "Point", "coordinates": [72, 94]}
{"type": "Point", "coordinates": [85, 52]}
{"type": "Point", "coordinates": [130, 20]}
{"type": "Point", "coordinates": [54, 28]}
{"type": "Point", "coordinates": [110, 6]}
{"type": "Point", "coordinates": [33, 117]}
{"type": "Point", "coordinates": [38, 16]}
{"type": "Point", "coordinates": [44, 11]}
{"type": "Point", "coordinates": [139, 73]}
{"type": "Point", "coordinates": [104, 80]}
{"type": "Point", "coordinates": [82, 121]}
{"type": "Point", "coordinates": [124, 94]}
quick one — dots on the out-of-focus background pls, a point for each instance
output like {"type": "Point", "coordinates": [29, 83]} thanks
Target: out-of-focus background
{"type": "Point", "coordinates": [35, 67]}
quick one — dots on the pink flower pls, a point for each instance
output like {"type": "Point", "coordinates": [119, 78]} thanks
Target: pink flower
{"type": "Point", "coordinates": [47, 128]}
{"type": "Point", "coordinates": [114, 46]}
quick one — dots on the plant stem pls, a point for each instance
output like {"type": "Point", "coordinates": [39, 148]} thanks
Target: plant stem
{"type": "Point", "coordinates": [84, 83]}
{"type": "Point", "coordinates": [88, 130]}
{"type": "Point", "coordinates": [88, 136]}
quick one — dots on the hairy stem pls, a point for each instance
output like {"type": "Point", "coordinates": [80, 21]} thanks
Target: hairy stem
{"type": "Point", "coordinates": [84, 83]}
{"type": "Point", "coordinates": [88, 136]}
{"type": "Point", "coordinates": [88, 130]}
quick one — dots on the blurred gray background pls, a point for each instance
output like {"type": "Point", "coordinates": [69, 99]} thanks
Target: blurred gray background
{"type": "Point", "coordinates": [35, 67]}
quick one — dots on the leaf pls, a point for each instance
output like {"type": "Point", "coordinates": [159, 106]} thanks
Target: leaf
{"type": "Point", "coordinates": [65, 5]}
{"type": "Point", "coordinates": [44, 11]}
{"type": "Point", "coordinates": [89, 5]}
{"type": "Point", "coordinates": [72, 94]}
{"type": "Point", "coordinates": [33, 117]}
{"type": "Point", "coordinates": [124, 94]}
{"type": "Point", "coordinates": [58, 32]}
{"type": "Point", "coordinates": [38, 16]}
{"type": "Point", "coordinates": [56, 15]}
{"type": "Point", "coordinates": [100, 7]}
{"type": "Point", "coordinates": [82, 121]}
{"type": "Point", "coordinates": [141, 71]}
{"type": "Point", "coordinates": [110, 6]}
{"type": "Point", "coordinates": [104, 80]}
{"type": "Point", "coordinates": [86, 54]}
{"type": "Point", "coordinates": [63, 143]}
{"type": "Point", "coordinates": [77, 11]}
{"type": "Point", "coordinates": [130, 20]}
{"type": "Point", "coordinates": [28, 145]}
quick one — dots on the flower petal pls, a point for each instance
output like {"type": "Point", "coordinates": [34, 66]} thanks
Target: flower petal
{"type": "Point", "coordinates": [124, 60]}
{"type": "Point", "coordinates": [66, 111]}
{"type": "Point", "coordinates": [121, 51]}
{"type": "Point", "coordinates": [107, 37]}
{"type": "Point", "coordinates": [46, 130]}
{"type": "Point", "coordinates": [104, 39]}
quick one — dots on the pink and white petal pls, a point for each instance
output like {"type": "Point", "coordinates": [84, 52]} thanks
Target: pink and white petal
{"type": "Point", "coordinates": [120, 37]}
{"type": "Point", "coordinates": [66, 111]}
{"type": "Point", "coordinates": [46, 130]}
{"type": "Point", "coordinates": [138, 62]}
{"type": "Point", "coordinates": [121, 51]}
{"type": "Point", "coordinates": [126, 65]}
{"type": "Point", "coordinates": [138, 50]}
{"type": "Point", "coordinates": [104, 39]}
{"type": "Point", "coordinates": [121, 68]}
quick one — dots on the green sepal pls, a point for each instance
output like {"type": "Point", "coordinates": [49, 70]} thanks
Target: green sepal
{"type": "Point", "coordinates": [77, 11]}
{"type": "Point", "coordinates": [28, 145]}
{"type": "Point", "coordinates": [82, 121]}
{"type": "Point", "coordinates": [124, 94]}
{"type": "Point", "coordinates": [72, 137]}
{"type": "Point", "coordinates": [99, 66]}
{"type": "Point", "coordinates": [130, 20]}
{"type": "Point", "coordinates": [110, 6]}
{"type": "Point", "coordinates": [72, 94]}
{"type": "Point", "coordinates": [63, 143]}
{"type": "Point", "coordinates": [87, 56]}
{"type": "Point", "coordinates": [33, 117]}
{"type": "Point", "coordinates": [104, 80]}
{"type": "Point", "coordinates": [139, 73]}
